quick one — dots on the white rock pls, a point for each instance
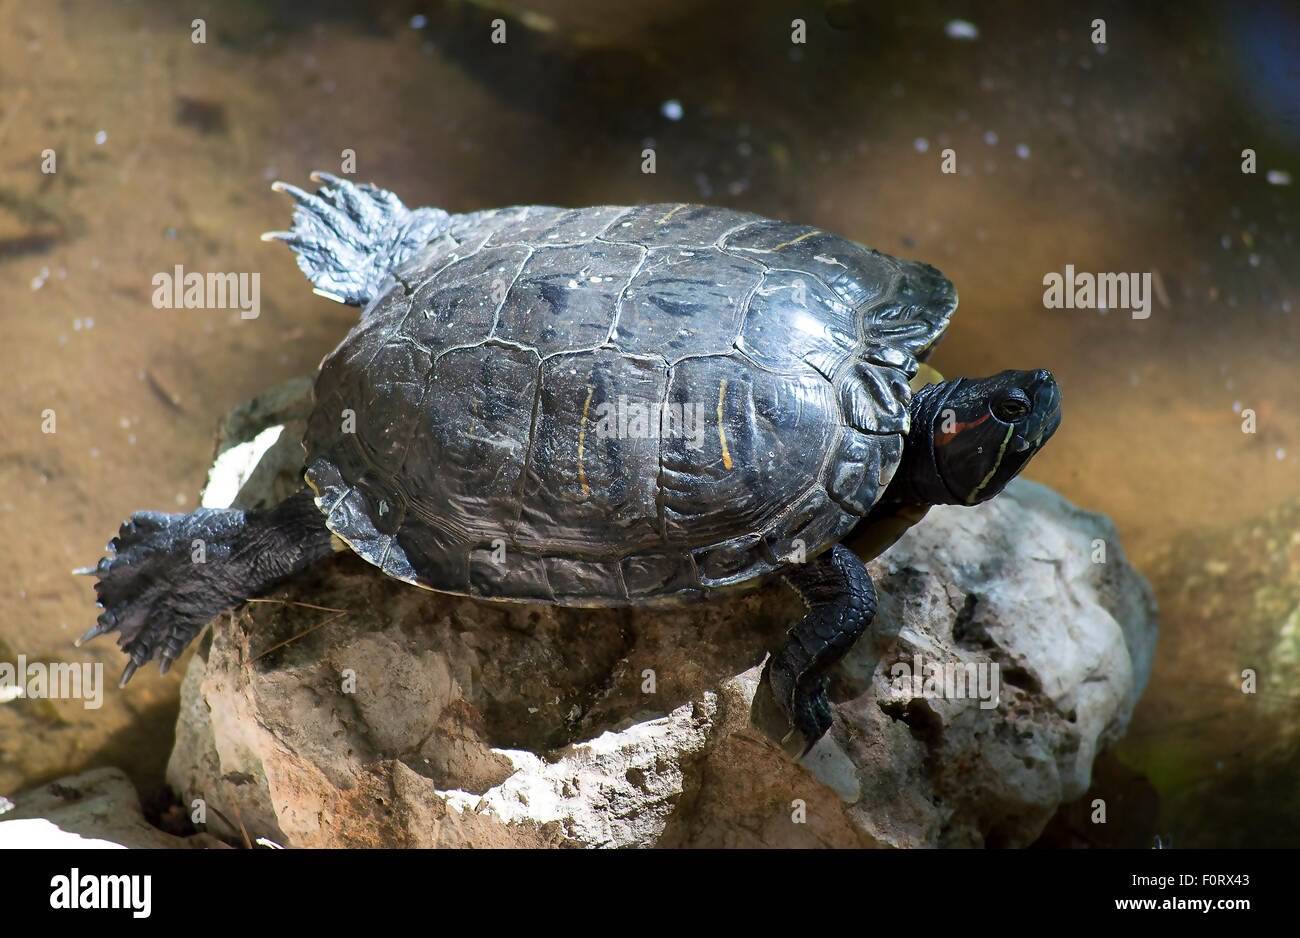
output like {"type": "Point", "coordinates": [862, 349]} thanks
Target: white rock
{"type": "Point", "coordinates": [98, 809]}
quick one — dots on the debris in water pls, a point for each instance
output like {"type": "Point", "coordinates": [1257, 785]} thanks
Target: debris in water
{"type": "Point", "coordinates": [961, 29]}
{"type": "Point", "coordinates": [167, 397]}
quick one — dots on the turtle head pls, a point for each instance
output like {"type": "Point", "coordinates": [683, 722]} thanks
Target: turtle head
{"type": "Point", "coordinates": [971, 436]}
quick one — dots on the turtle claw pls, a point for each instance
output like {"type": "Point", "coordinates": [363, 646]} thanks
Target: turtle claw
{"type": "Point", "coordinates": [106, 623]}
{"type": "Point", "coordinates": [321, 208]}
{"type": "Point", "coordinates": [291, 189]}
{"type": "Point", "coordinates": [803, 704]}
{"type": "Point", "coordinates": [149, 521]}
{"type": "Point", "coordinates": [811, 717]}
{"type": "Point", "coordinates": [330, 296]}
{"type": "Point", "coordinates": [801, 739]}
{"type": "Point", "coordinates": [793, 745]}
{"type": "Point", "coordinates": [350, 195]}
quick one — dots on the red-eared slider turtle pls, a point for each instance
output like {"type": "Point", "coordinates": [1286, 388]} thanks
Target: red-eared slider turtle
{"type": "Point", "coordinates": [602, 406]}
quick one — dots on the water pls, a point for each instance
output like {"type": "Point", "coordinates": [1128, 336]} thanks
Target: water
{"type": "Point", "coordinates": [1127, 159]}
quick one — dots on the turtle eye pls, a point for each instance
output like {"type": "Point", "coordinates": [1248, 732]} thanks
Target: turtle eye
{"type": "Point", "coordinates": [1012, 406]}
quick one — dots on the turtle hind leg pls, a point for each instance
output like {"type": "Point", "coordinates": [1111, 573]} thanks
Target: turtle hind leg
{"type": "Point", "coordinates": [841, 603]}
{"type": "Point", "coordinates": [168, 575]}
{"type": "Point", "coordinates": [348, 237]}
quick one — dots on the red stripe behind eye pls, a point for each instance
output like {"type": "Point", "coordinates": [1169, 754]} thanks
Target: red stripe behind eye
{"type": "Point", "coordinates": [943, 439]}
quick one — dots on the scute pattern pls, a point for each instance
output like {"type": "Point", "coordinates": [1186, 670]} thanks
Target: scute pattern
{"type": "Point", "coordinates": [587, 484]}
{"type": "Point", "coordinates": [860, 275]}
{"type": "Point", "coordinates": [466, 465]}
{"type": "Point", "coordinates": [460, 306]}
{"type": "Point", "coordinates": [776, 430]}
{"type": "Point", "coordinates": [679, 226]}
{"type": "Point", "coordinates": [685, 302]}
{"type": "Point", "coordinates": [611, 405]}
{"type": "Point", "coordinates": [793, 316]}
{"type": "Point", "coordinates": [564, 297]}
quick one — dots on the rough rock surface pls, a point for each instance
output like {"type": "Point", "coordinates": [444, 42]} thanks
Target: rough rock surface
{"type": "Point", "coordinates": [418, 719]}
{"type": "Point", "coordinates": [96, 809]}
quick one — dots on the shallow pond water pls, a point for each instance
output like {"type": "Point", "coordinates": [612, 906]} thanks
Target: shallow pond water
{"type": "Point", "coordinates": [1126, 157]}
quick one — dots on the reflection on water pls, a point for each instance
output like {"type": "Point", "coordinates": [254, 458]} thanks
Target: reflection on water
{"type": "Point", "coordinates": [1122, 158]}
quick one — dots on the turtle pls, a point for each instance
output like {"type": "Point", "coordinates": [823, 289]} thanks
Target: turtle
{"type": "Point", "coordinates": [604, 406]}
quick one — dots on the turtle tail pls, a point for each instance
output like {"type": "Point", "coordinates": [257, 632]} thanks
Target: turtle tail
{"type": "Point", "coordinates": [167, 575]}
{"type": "Point", "coordinates": [349, 237]}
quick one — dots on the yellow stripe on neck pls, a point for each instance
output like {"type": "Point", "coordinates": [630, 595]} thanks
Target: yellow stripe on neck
{"type": "Point", "coordinates": [1011, 429]}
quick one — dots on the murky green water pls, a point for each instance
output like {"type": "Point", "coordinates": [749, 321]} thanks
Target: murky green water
{"type": "Point", "coordinates": [1122, 160]}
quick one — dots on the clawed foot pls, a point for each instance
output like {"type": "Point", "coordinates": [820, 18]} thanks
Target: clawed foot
{"type": "Point", "coordinates": [803, 703]}
{"type": "Point", "coordinates": [137, 586]}
{"type": "Point", "coordinates": [841, 603]}
{"type": "Point", "coordinates": [348, 237]}
{"type": "Point", "coordinates": [167, 576]}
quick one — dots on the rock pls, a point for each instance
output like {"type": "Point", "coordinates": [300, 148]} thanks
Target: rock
{"type": "Point", "coordinates": [258, 455]}
{"type": "Point", "coordinates": [98, 809]}
{"type": "Point", "coordinates": [418, 719]}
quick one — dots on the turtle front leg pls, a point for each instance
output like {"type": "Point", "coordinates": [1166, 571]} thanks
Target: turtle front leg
{"type": "Point", "coordinates": [841, 603]}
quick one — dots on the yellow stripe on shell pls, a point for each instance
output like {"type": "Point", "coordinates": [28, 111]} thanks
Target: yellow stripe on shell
{"type": "Point", "coordinates": [722, 431]}
{"type": "Point", "coordinates": [786, 244]}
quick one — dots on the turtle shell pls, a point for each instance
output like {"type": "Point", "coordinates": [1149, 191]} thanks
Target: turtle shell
{"type": "Point", "coordinates": [613, 405]}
